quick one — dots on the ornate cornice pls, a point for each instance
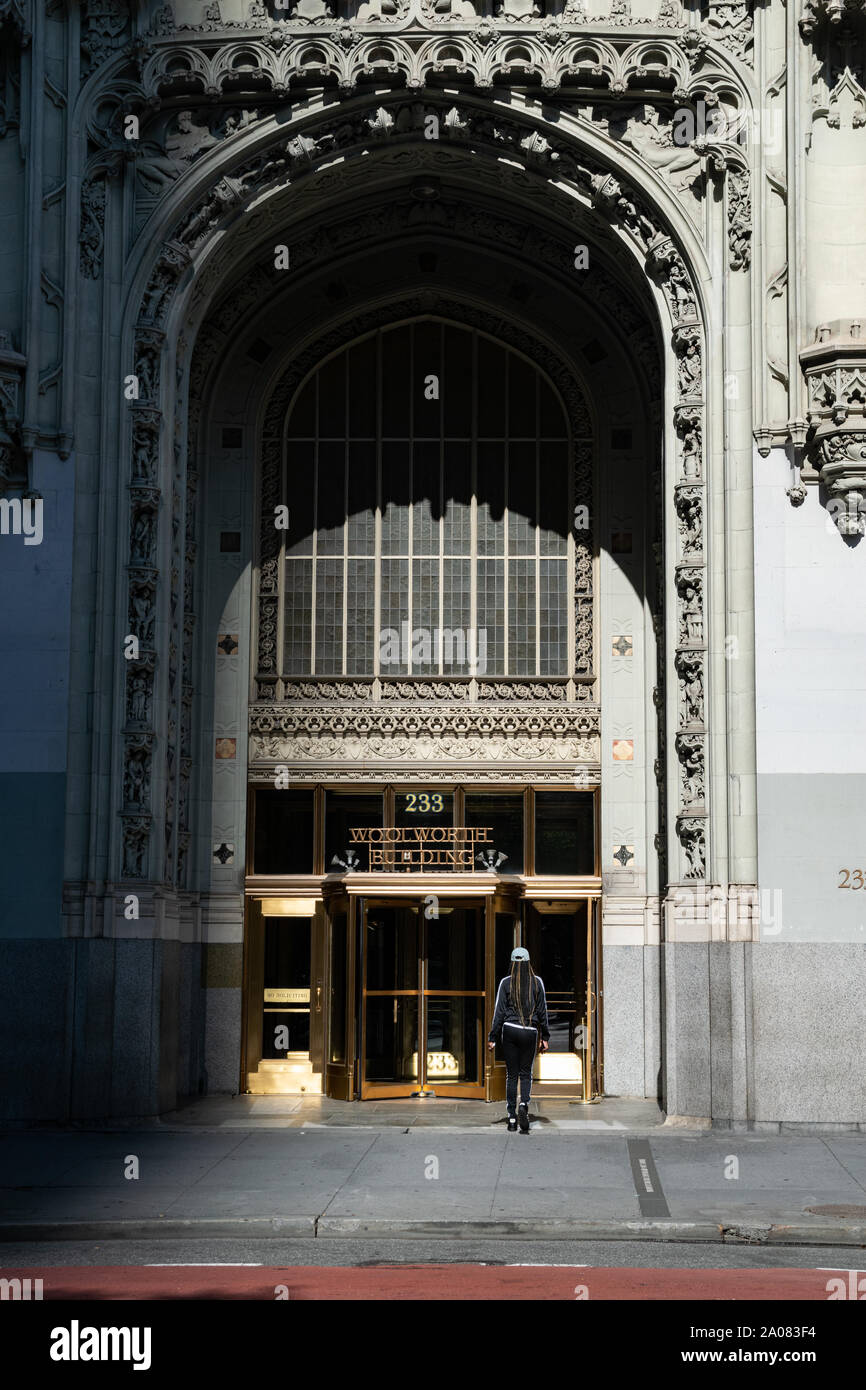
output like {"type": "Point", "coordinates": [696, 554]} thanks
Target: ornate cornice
{"type": "Point", "coordinates": [390, 739]}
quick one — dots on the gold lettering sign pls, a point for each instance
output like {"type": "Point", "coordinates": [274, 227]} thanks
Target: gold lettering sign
{"type": "Point", "coordinates": [422, 846]}
{"type": "Point", "coordinates": [287, 996]}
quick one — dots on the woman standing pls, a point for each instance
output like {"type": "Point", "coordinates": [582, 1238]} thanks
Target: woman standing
{"type": "Point", "coordinates": [519, 1017]}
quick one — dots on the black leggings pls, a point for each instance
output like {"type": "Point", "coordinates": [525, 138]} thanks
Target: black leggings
{"type": "Point", "coordinates": [519, 1046]}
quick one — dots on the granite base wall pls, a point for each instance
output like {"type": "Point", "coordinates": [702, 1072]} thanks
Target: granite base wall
{"type": "Point", "coordinates": [100, 1028]}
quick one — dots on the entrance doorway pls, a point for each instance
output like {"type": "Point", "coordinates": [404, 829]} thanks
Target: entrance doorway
{"type": "Point", "coordinates": [283, 1009]}
{"type": "Point", "coordinates": [560, 937]}
{"type": "Point", "coordinates": [422, 998]}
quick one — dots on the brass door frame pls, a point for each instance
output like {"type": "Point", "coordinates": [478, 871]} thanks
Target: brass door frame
{"type": "Point", "coordinates": [339, 1077]}
{"type": "Point", "coordinates": [252, 980]}
{"type": "Point", "coordinates": [395, 1090]}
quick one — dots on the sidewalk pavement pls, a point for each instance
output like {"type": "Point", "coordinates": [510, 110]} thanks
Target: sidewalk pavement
{"type": "Point", "coordinates": [253, 1166]}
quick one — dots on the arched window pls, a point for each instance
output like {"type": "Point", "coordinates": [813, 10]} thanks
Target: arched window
{"type": "Point", "coordinates": [430, 495]}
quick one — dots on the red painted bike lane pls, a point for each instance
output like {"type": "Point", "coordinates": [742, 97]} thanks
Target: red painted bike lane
{"type": "Point", "coordinates": [389, 1283]}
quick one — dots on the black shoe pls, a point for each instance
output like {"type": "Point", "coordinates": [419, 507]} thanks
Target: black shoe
{"type": "Point", "coordinates": [523, 1117]}
{"type": "Point", "coordinates": [512, 1124]}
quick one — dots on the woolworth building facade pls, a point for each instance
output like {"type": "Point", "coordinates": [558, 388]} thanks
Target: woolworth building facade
{"type": "Point", "coordinates": [433, 486]}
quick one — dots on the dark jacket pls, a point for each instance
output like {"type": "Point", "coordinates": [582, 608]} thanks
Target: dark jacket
{"type": "Point", "coordinates": [506, 1012]}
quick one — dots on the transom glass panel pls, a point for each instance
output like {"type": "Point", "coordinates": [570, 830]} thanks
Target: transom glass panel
{"type": "Point", "coordinates": [428, 468]}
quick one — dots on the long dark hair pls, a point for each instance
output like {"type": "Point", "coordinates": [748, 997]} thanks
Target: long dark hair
{"type": "Point", "coordinates": [522, 989]}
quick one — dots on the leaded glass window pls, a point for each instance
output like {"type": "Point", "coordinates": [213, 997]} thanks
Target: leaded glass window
{"type": "Point", "coordinates": [430, 495]}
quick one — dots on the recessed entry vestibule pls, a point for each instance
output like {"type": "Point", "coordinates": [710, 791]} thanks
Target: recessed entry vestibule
{"type": "Point", "coordinates": [373, 975]}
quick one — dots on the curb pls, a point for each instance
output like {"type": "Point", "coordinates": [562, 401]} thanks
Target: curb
{"type": "Point", "coordinates": [371, 1228]}
{"type": "Point", "coordinates": [162, 1228]}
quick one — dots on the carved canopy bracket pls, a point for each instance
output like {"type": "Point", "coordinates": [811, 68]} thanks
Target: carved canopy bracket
{"type": "Point", "coordinates": [835, 370]}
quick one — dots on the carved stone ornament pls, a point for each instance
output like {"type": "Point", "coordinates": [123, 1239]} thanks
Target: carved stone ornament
{"type": "Point", "coordinates": [104, 26]}
{"type": "Point", "coordinates": [691, 619]}
{"type": "Point", "coordinates": [136, 834]}
{"type": "Point", "coordinates": [689, 506]}
{"type": "Point", "coordinates": [690, 671]}
{"type": "Point", "coordinates": [730, 23]}
{"type": "Point", "coordinates": [739, 218]}
{"type": "Point", "coordinates": [13, 463]}
{"type": "Point", "coordinates": [692, 834]}
{"type": "Point", "coordinates": [382, 739]}
{"type": "Point", "coordinates": [421, 41]}
{"type": "Point", "coordinates": [835, 370]}
{"type": "Point", "coordinates": [690, 751]}
{"type": "Point", "coordinates": [813, 11]}
{"type": "Point", "coordinates": [92, 234]}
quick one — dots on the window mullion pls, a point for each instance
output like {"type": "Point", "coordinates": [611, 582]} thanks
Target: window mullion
{"type": "Point", "coordinates": [537, 533]}
{"type": "Point", "coordinates": [346, 457]}
{"type": "Point", "coordinates": [443, 501]}
{"type": "Point", "coordinates": [377, 538]}
{"type": "Point", "coordinates": [315, 560]}
{"type": "Point", "coordinates": [506, 537]}
{"type": "Point", "coordinates": [410, 530]}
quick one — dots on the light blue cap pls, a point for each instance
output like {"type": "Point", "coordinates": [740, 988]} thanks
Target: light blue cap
{"type": "Point", "coordinates": [520, 953]}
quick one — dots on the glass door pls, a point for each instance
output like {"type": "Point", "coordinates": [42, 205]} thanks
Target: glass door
{"type": "Point", "coordinates": [422, 998]}
{"type": "Point", "coordinates": [453, 999]}
{"type": "Point", "coordinates": [558, 937]}
{"type": "Point", "coordinates": [286, 994]}
{"type": "Point", "coordinates": [390, 999]}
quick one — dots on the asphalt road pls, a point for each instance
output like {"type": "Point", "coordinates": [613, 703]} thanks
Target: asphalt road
{"type": "Point", "coordinates": [369, 1254]}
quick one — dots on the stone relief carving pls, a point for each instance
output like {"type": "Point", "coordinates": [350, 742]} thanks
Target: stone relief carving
{"type": "Point", "coordinates": [687, 344]}
{"type": "Point", "coordinates": [136, 776]}
{"type": "Point", "coordinates": [691, 677]}
{"type": "Point", "coordinates": [185, 139]}
{"type": "Point", "coordinates": [173, 259]}
{"type": "Point", "coordinates": [691, 831]}
{"type": "Point", "coordinates": [139, 695]}
{"type": "Point", "coordinates": [730, 23]}
{"type": "Point", "coordinates": [92, 234]}
{"type": "Point", "coordinates": [649, 132]}
{"type": "Point", "coordinates": [689, 506]}
{"type": "Point", "coordinates": [690, 751]}
{"type": "Point", "coordinates": [13, 462]}
{"type": "Point", "coordinates": [739, 218]}
{"type": "Point", "coordinates": [690, 591]}
{"type": "Point", "coordinates": [688, 423]}
{"type": "Point", "coordinates": [142, 537]}
{"type": "Point", "coordinates": [105, 24]}
{"type": "Point", "coordinates": [136, 833]}
{"type": "Point", "coordinates": [142, 610]}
